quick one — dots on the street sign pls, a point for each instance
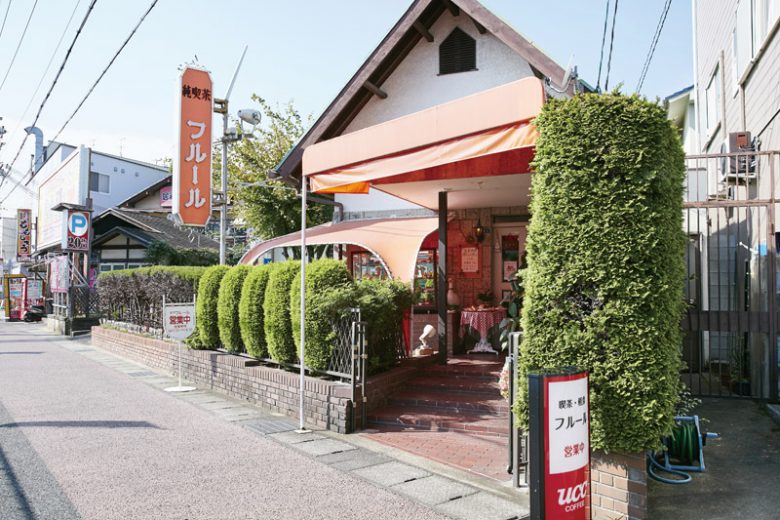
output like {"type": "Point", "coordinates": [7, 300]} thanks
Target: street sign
{"type": "Point", "coordinates": [192, 170]}
{"type": "Point", "coordinates": [75, 236]}
{"type": "Point", "coordinates": [559, 421]}
{"type": "Point", "coordinates": [179, 320]}
{"type": "Point", "coordinates": [179, 323]}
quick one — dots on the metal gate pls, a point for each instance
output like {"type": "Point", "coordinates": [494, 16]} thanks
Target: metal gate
{"type": "Point", "coordinates": [730, 345]}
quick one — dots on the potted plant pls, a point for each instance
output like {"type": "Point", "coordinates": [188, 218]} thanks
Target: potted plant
{"type": "Point", "coordinates": [739, 369]}
{"type": "Point", "coordinates": [486, 297]}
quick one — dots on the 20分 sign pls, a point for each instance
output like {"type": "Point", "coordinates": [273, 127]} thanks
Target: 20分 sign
{"type": "Point", "coordinates": [560, 438]}
{"type": "Point", "coordinates": [75, 236]}
{"type": "Point", "coordinates": [192, 175]}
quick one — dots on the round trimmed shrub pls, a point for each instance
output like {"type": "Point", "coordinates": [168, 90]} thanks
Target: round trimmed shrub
{"type": "Point", "coordinates": [206, 307]}
{"type": "Point", "coordinates": [250, 311]}
{"type": "Point", "coordinates": [604, 286]}
{"type": "Point", "coordinates": [227, 307]}
{"type": "Point", "coordinates": [276, 309]}
{"type": "Point", "coordinates": [321, 275]}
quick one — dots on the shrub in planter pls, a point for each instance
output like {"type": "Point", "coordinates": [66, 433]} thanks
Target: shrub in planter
{"type": "Point", "coordinates": [206, 307]}
{"type": "Point", "coordinates": [135, 295]}
{"type": "Point", "coordinates": [250, 311]}
{"type": "Point", "coordinates": [227, 307]}
{"type": "Point", "coordinates": [276, 309]}
{"type": "Point", "coordinates": [604, 285]}
{"type": "Point", "coordinates": [382, 304]}
{"type": "Point", "coordinates": [321, 275]}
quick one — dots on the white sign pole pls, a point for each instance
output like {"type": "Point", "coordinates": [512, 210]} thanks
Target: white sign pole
{"type": "Point", "coordinates": [304, 258]}
{"type": "Point", "coordinates": [179, 323]}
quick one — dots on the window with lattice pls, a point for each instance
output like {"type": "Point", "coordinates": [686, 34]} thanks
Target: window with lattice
{"type": "Point", "coordinates": [457, 53]}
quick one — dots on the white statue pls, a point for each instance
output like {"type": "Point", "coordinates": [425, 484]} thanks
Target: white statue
{"type": "Point", "coordinates": [424, 349]}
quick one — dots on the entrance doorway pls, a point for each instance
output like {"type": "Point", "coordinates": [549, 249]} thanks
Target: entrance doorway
{"type": "Point", "coordinates": [508, 247]}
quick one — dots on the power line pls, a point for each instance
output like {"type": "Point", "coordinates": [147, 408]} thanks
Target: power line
{"type": "Point", "coordinates": [19, 44]}
{"type": "Point", "coordinates": [5, 17]}
{"type": "Point", "coordinates": [611, 43]}
{"type": "Point", "coordinates": [43, 103]}
{"type": "Point", "coordinates": [653, 44]}
{"type": "Point", "coordinates": [48, 66]}
{"type": "Point", "coordinates": [92, 88]}
{"type": "Point", "coordinates": [603, 40]}
{"type": "Point", "coordinates": [95, 84]}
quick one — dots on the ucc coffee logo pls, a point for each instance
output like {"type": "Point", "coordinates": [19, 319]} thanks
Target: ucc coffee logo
{"type": "Point", "coordinates": [572, 495]}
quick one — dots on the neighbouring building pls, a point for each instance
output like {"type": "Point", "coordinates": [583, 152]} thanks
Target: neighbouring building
{"type": "Point", "coordinates": [83, 176]}
{"type": "Point", "coordinates": [123, 235]}
{"type": "Point", "coordinates": [730, 126]}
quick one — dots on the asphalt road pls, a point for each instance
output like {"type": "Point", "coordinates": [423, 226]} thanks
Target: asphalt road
{"type": "Point", "coordinates": [80, 440]}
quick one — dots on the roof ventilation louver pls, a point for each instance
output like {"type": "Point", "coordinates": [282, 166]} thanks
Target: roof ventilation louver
{"type": "Point", "coordinates": [457, 53]}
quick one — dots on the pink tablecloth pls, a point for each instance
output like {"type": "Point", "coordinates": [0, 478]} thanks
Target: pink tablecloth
{"type": "Point", "coordinates": [483, 320]}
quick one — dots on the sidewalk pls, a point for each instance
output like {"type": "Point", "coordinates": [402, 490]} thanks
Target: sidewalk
{"type": "Point", "coordinates": [441, 489]}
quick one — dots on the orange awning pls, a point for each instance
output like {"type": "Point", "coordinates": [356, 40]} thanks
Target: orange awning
{"type": "Point", "coordinates": [395, 241]}
{"type": "Point", "coordinates": [489, 128]}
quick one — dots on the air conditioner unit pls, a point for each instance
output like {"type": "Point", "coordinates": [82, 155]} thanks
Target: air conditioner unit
{"type": "Point", "coordinates": [738, 168]}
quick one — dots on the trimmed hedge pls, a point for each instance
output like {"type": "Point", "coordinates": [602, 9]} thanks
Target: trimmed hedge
{"type": "Point", "coordinates": [227, 308]}
{"type": "Point", "coordinates": [206, 307]}
{"type": "Point", "coordinates": [135, 295]}
{"type": "Point", "coordinates": [321, 276]}
{"type": "Point", "coordinates": [250, 311]}
{"type": "Point", "coordinates": [604, 286]}
{"type": "Point", "coordinates": [276, 310]}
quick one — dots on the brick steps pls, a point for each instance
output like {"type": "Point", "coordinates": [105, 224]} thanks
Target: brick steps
{"type": "Point", "coordinates": [456, 402]}
{"type": "Point", "coordinates": [467, 370]}
{"type": "Point", "coordinates": [428, 418]}
{"type": "Point", "coordinates": [470, 385]}
{"type": "Point", "coordinates": [462, 397]}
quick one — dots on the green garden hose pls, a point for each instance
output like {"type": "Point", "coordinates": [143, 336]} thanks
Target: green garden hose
{"type": "Point", "coordinates": [683, 444]}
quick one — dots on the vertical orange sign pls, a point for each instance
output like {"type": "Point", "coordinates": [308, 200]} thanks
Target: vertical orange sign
{"type": "Point", "coordinates": [192, 176]}
{"type": "Point", "coordinates": [23, 227]}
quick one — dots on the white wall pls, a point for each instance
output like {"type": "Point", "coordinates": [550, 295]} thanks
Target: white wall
{"type": "Point", "coordinates": [127, 177]}
{"type": "Point", "coordinates": [8, 241]}
{"type": "Point", "coordinates": [416, 85]}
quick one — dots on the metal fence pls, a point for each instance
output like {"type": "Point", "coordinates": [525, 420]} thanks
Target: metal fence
{"type": "Point", "coordinates": [77, 302]}
{"type": "Point", "coordinates": [518, 438]}
{"type": "Point", "coordinates": [730, 329]}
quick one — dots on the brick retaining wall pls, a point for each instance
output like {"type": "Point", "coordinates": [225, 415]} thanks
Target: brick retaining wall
{"type": "Point", "coordinates": [618, 486]}
{"type": "Point", "coordinates": [328, 404]}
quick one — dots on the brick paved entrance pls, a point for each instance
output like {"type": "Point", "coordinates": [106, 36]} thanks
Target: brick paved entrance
{"type": "Point", "coordinates": [452, 414]}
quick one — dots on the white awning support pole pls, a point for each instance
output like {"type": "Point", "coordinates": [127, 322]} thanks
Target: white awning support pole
{"type": "Point", "coordinates": [304, 259]}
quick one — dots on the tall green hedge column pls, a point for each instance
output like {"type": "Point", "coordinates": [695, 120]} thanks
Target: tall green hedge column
{"type": "Point", "coordinates": [604, 287]}
{"type": "Point", "coordinates": [206, 307]}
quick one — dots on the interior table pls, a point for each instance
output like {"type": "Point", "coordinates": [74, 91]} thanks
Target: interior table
{"type": "Point", "coordinates": [482, 320]}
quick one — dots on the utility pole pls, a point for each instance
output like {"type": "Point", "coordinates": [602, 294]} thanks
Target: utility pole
{"type": "Point", "coordinates": [221, 107]}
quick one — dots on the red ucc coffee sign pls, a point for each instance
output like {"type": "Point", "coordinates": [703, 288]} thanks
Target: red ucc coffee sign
{"type": "Point", "coordinates": [560, 431]}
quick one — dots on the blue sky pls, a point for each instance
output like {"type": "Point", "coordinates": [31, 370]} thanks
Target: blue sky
{"type": "Point", "coordinates": [299, 50]}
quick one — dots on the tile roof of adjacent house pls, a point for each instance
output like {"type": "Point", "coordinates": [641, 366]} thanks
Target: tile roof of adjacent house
{"type": "Point", "coordinates": [148, 226]}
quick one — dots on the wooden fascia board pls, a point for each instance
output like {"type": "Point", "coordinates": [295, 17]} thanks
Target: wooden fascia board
{"type": "Point", "coordinates": [535, 57]}
{"type": "Point", "coordinates": [354, 85]}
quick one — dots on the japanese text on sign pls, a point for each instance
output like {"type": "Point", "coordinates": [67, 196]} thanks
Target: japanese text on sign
{"type": "Point", "coordinates": [192, 178]}
{"type": "Point", "coordinates": [179, 320]}
{"type": "Point", "coordinates": [23, 217]}
{"type": "Point", "coordinates": [568, 425]}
